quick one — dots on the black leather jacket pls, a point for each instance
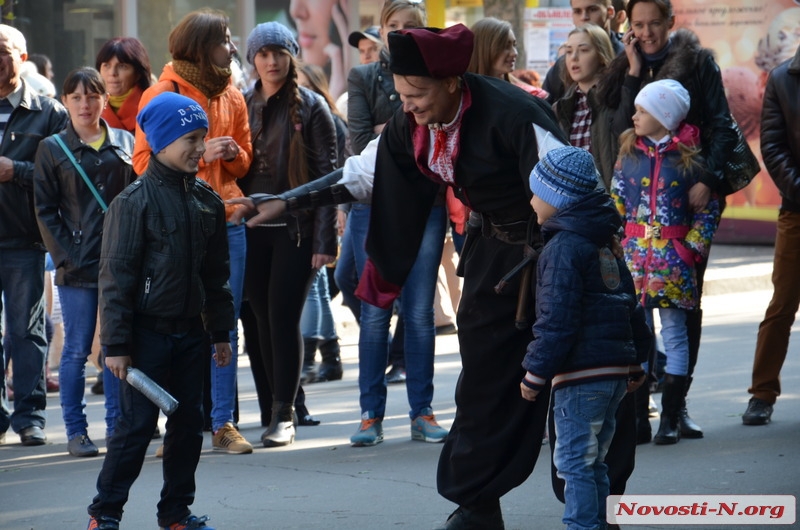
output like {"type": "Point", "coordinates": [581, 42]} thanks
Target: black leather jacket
{"type": "Point", "coordinates": [780, 133]}
{"type": "Point", "coordinates": [371, 100]}
{"type": "Point", "coordinates": [70, 218]}
{"type": "Point", "coordinates": [35, 118]}
{"type": "Point", "coordinates": [270, 127]}
{"type": "Point", "coordinates": [694, 67]}
{"type": "Point", "coordinates": [164, 257]}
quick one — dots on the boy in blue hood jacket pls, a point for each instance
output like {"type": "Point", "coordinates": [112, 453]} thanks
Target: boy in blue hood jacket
{"type": "Point", "coordinates": [590, 334]}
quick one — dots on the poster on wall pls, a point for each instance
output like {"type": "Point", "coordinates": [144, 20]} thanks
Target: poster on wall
{"type": "Point", "coordinates": [321, 28]}
{"type": "Point", "coordinates": [546, 29]}
{"type": "Point", "coordinates": [749, 38]}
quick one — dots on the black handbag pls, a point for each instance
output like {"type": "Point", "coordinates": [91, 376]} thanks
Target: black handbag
{"type": "Point", "coordinates": [740, 167]}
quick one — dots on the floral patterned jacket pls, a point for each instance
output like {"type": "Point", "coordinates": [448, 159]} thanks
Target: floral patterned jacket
{"type": "Point", "coordinates": [664, 238]}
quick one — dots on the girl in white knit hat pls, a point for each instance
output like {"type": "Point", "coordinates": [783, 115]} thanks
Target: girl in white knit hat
{"type": "Point", "coordinates": [664, 237]}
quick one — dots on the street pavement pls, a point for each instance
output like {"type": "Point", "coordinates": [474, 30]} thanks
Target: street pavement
{"type": "Point", "coordinates": [321, 482]}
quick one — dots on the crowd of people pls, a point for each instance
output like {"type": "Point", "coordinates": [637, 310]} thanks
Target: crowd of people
{"type": "Point", "coordinates": [175, 207]}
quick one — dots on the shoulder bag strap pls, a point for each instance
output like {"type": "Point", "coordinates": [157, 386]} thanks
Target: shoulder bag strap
{"type": "Point", "coordinates": [82, 173]}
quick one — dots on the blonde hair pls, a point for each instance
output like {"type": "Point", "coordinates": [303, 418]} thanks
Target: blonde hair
{"type": "Point", "coordinates": [393, 6]}
{"type": "Point", "coordinates": [627, 147]}
{"type": "Point", "coordinates": [601, 43]}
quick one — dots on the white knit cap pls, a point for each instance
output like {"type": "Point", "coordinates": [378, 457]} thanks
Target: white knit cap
{"type": "Point", "coordinates": [667, 101]}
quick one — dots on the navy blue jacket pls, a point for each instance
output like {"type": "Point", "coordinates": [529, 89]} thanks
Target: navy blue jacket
{"type": "Point", "coordinates": [589, 325]}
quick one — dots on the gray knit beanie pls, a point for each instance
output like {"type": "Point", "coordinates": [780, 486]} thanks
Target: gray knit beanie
{"type": "Point", "coordinates": [564, 176]}
{"type": "Point", "coordinates": [270, 34]}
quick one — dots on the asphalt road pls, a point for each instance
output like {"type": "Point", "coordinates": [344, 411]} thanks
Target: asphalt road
{"type": "Point", "coordinates": [322, 482]}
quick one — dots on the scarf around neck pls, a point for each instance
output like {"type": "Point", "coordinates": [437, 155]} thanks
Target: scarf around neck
{"type": "Point", "coordinates": [211, 83]}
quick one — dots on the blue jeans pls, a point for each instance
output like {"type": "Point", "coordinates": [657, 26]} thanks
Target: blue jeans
{"type": "Point", "coordinates": [585, 421]}
{"type": "Point", "coordinates": [675, 337]}
{"type": "Point", "coordinates": [79, 309]}
{"type": "Point", "coordinates": [25, 343]}
{"type": "Point", "coordinates": [316, 322]}
{"type": "Point", "coordinates": [416, 300]}
{"type": "Point", "coordinates": [223, 379]}
{"type": "Point", "coordinates": [346, 273]}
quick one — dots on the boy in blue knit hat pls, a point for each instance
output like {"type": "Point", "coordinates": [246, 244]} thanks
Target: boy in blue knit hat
{"type": "Point", "coordinates": [163, 290]}
{"type": "Point", "coordinates": [590, 335]}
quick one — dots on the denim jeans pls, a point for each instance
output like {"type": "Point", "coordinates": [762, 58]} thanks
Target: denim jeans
{"type": "Point", "coordinates": [176, 363]}
{"type": "Point", "coordinates": [585, 422]}
{"type": "Point", "coordinates": [675, 337]}
{"type": "Point", "coordinates": [22, 287]}
{"type": "Point", "coordinates": [416, 301]}
{"type": "Point", "coordinates": [79, 308]}
{"type": "Point", "coordinates": [316, 322]}
{"type": "Point", "coordinates": [346, 273]}
{"type": "Point", "coordinates": [223, 379]}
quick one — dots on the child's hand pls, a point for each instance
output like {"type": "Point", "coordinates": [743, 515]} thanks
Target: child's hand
{"type": "Point", "coordinates": [118, 365]}
{"type": "Point", "coordinates": [528, 393]}
{"type": "Point", "coordinates": [222, 354]}
{"type": "Point", "coordinates": [634, 384]}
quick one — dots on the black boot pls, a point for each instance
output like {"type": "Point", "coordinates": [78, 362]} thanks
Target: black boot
{"type": "Point", "coordinates": [644, 432]}
{"type": "Point", "coordinates": [485, 517]}
{"type": "Point", "coordinates": [669, 431]}
{"type": "Point", "coordinates": [330, 369]}
{"type": "Point", "coordinates": [302, 416]}
{"type": "Point", "coordinates": [281, 426]}
{"type": "Point", "coordinates": [689, 429]}
{"type": "Point", "coordinates": [307, 375]}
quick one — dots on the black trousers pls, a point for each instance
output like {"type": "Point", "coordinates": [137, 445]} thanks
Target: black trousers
{"type": "Point", "coordinates": [263, 390]}
{"type": "Point", "coordinates": [277, 278]}
{"type": "Point", "coordinates": [495, 439]}
{"type": "Point", "coordinates": [175, 362]}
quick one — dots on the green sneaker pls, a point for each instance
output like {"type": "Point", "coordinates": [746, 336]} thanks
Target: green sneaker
{"type": "Point", "coordinates": [370, 432]}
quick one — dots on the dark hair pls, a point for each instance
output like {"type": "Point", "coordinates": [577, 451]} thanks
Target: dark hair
{"type": "Point", "coordinates": [318, 82]}
{"type": "Point", "coordinates": [619, 5]}
{"type": "Point", "coordinates": [40, 61]}
{"type": "Point", "coordinates": [85, 76]}
{"type": "Point", "coordinates": [665, 6]}
{"type": "Point", "coordinates": [298, 152]}
{"type": "Point", "coordinates": [196, 34]}
{"type": "Point", "coordinates": [130, 51]}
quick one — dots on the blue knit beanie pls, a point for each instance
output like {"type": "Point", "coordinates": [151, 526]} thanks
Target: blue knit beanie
{"type": "Point", "coordinates": [270, 34]}
{"type": "Point", "coordinates": [564, 176]}
{"type": "Point", "coordinates": [167, 117]}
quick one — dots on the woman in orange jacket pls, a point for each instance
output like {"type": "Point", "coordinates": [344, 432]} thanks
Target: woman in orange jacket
{"type": "Point", "coordinates": [202, 51]}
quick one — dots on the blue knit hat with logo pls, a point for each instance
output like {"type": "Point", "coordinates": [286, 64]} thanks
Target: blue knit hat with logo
{"type": "Point", "coordinates": [270, 34]}
{"type": "Point", "coordinates": [564, 176]}
{"type": "Point", "coordinates": [167, 117]}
